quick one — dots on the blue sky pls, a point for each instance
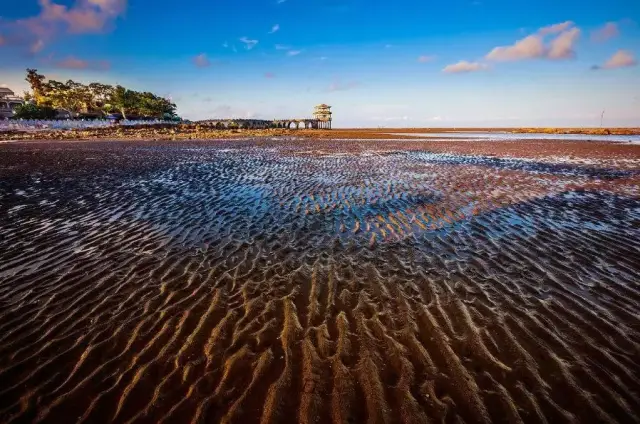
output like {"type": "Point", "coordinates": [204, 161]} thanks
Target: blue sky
{"type": "Point", "coordinates": [394, 64]}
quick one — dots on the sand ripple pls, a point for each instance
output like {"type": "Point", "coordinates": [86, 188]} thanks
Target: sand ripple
{"type": "Point", "coordinates": [313, 282]}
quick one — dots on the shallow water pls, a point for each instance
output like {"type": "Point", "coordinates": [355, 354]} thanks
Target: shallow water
{"type": "Point", "coordinates": [314, 281]}
{"type": "Point", "coordinates": [632, 139]}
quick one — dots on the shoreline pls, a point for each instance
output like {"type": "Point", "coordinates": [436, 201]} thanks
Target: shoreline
{"type": "Point", "coordinates": [515, 130]}
{"type": "Point", "coordinates": [199, 131]}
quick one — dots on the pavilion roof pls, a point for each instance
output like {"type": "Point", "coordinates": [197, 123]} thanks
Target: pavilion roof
{"type": "Point", "coordinates": [6, 92]}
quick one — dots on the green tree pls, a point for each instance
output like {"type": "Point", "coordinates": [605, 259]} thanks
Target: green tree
{"type": "Point", "coordinates": [152, 106]}
{"type": "Point", "coordinates": [80, 96]}
{"type": "Point", "coordinates": [37, 83]}
{"type": "Point", "coordinates": [100, 97]}
{"type": "Point", "coordinates": [69, 96]}
{"type": "Point", "coordinates": [124, 100]}
{"type": "Point", "coordinates": [31, 111]}
{"type": "Point", "coordinates": [27, 96]}
{"type": "Point", "coordinates": [77, 98]}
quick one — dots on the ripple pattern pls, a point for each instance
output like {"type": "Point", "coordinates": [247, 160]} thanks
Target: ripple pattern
{"type": "Point", "coordinates": [315, 281]}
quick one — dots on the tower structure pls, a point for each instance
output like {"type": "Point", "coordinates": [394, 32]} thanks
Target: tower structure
{"type": "Point", "coordinates": [323, 114]}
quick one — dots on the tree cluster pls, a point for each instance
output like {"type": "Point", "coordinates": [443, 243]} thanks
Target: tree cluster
{"type": "Point", "coordinates": [32, 111]}
{"type": "Point", "coordinates": [94, 99]}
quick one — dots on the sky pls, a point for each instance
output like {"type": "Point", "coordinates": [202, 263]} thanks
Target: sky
{"type": "Point", "coordinates": [401, 63]}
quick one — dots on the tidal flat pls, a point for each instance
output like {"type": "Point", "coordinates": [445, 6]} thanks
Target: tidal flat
{"type": "Point", "coordinates": [319, 281]}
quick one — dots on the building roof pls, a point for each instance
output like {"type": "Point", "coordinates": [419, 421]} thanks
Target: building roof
{"type": "Point", "coordinates": [323, 106]}
{"type": "Point", "coordinates": [6, 92]}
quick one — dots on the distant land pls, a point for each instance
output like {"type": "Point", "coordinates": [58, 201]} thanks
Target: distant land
{"type": "Point", "coordinates": [523, 130]}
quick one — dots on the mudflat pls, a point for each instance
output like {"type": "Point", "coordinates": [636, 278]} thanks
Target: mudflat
{"type": "Point", "coordinates": [319, 281]}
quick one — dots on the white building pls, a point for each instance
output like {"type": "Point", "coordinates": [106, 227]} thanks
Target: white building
{"type": "Point", "coordinates": [8, 102]}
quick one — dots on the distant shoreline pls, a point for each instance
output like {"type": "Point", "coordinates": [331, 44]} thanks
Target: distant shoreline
{"type": "Point", "coordinates": [522, 130]}
{"type": "Point", "coordinates": [195, 131]}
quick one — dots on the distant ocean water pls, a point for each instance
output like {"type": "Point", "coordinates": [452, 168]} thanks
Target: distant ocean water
{"type": "Point", "coordinates": [497, 136]}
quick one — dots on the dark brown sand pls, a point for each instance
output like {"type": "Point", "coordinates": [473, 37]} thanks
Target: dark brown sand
{"type": "Point", "coordinates": [319, 281]}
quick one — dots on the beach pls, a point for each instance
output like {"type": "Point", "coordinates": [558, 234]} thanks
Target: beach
{"type": "Point", "coordinates": [317, 277]}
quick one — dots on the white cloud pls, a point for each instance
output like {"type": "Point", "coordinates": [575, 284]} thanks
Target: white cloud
{"type": "Point", "coordinates": [72, 62]}
{"type": "Point", "coordinates": [225, 45]}
{"type": "Point", "coordinates": [533, 46]}
{"type": "Point", "coordinates": [621, 59]}
{"type": "Point", "coordinates": [555, 28]}
{"type": "Point", "coordinates": [425, 59]}
{"type": "Point", "coordinates": [37, 46]}
{"type": "Point", "coordinates": [527, 48]}
{"type": "Point", "coordinates": [274, 29]}
{"type": "Point", "coordinates": [608, 31]}
{"type": "Point", "coordinates": [464, 66]}
{"type": "Point", "coordinates": [562, 46]}
{"type": "Point", "coordinates": [290, 52]}
{"type": "Point", "coordinates": [84, 16]}
{"type": "Point", "coordinates": [249, 44]}
{"type": "Point", "coordinates": [201, 61]}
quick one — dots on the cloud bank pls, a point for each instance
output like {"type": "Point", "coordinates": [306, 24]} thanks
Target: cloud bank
{"type": "Point", "coordinates": [83, 17]}
{"type": "Point", "coordinates": [534, 47]}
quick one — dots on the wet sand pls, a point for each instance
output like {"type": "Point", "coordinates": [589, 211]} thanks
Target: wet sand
{"type": "Point", "coordinates": [319, 281]}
